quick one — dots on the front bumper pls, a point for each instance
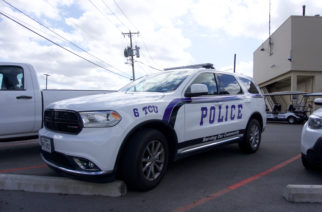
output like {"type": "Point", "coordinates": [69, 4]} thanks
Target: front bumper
{"type": "Point", "coordinates": [314, 155]}
{"type": "Point", "coordinates": [309, 138]}
{"type": "Point", "coordinates": [65, 163]}
{"type": "Point", "coordinates": [99, 146]}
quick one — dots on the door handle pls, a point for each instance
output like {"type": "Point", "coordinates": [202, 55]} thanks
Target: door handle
{"type": "Point", "coordinates": [24, 97]}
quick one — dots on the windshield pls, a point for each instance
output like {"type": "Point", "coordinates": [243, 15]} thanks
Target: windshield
{"type": "Point", "coordinates": [163, 82]}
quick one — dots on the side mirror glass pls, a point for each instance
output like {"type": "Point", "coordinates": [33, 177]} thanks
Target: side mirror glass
{"type": "Point", "coordinates": [197, 90]}
{"type": "Point", "coordinates": [318, 101]}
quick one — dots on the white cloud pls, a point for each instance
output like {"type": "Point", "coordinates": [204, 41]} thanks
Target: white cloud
{"type": "Point", "coordinates": [99, 35]}
{"type": "Point", "coordinates": [161, 24]}
{"type": "Point", "coordinates": [244, 68]}
{"type": "Point", "coordinates": [249, 18]}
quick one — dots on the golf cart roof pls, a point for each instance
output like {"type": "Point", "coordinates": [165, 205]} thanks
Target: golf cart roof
{"type": "Point", "coordinates": [284, 93]}
{"type": "Point", "coordinates": [312, 94]}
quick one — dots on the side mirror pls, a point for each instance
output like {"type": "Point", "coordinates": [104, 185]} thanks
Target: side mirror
{"type": "Point", "coordinates": [318, 101]}
{"type": "Point", "coordinates": [197, 90]}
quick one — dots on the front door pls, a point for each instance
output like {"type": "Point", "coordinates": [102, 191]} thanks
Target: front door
{"type": "Point", "coordinates": [17, 105]}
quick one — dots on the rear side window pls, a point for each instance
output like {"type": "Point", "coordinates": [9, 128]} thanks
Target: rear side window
{"type": "Point", "coordinates": [250, 86]}
{"type": "Point", "coordinates": [228, 85]}
{"type": "Point", "coordinates": [11, 78]}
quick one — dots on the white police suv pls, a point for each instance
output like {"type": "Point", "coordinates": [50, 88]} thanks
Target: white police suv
{"type": "Point", "coordinates": [311, 139]}
{"type": "Point", "coordinates": [134, 133]}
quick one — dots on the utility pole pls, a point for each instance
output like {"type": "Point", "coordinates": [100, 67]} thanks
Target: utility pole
{"type": "Point", "coordinates": [47, 75]}
{"type": "Point", "coordinates": [234, 63]}
{"type": "Point", "coordinates": [129, 51]}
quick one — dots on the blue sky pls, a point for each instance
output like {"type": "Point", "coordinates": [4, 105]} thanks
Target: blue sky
{"type": "Point", "coordinates": [172, 33]}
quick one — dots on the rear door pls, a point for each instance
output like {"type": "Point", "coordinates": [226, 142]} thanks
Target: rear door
{"type": "Point", "coordinates": [17, 102]}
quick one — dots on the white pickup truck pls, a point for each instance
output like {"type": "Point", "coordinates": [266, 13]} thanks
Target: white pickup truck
{"type": "Point", "coordinates": [22, 102]}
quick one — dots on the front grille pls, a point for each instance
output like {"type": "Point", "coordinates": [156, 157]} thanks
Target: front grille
{"type": "Point", "coordinates": [63, 121]}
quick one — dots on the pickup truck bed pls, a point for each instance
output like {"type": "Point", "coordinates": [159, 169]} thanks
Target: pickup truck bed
{"type": "Point", "coordinates": [22, 102]}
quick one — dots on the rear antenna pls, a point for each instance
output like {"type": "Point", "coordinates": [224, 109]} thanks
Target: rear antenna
{"type": "Point", "coordinates": [269, 29]}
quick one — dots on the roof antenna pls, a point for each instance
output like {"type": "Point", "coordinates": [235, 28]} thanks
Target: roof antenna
{"type": "Point", "coordinates": [269, 30]}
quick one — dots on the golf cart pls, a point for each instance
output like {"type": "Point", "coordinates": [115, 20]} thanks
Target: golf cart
{"type": "Point", "coordinates": [286, 106]}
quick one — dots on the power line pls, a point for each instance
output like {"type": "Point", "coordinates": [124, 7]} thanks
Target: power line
{"type": "Point", "coordinates": [103, 14]}
{"type": "Point", "coordinates": [148, 65]}
{"type": "Point", "coordinates": [118, 6]}
{"type": "Point", "coordinates": [122, 23]}
{"type": "Point", "coordinates": [75, 45]}
{"type": "Point", "coordinates": [53, 42]}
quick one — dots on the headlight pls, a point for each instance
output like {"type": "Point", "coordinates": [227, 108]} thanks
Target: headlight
{"type": "Point", "coordinates": [315, 122]}
{"type": "Point", "coordinates": [92, 119]}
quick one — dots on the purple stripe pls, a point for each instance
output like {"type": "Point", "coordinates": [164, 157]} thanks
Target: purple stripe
{"type": "Point", "coordinates": [168, 110]}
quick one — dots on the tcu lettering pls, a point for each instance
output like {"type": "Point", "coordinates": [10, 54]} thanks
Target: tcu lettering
{"type": "Point", "coordinates": [146, 110]}
{"type": "Point", "coordinates": [221, 113]}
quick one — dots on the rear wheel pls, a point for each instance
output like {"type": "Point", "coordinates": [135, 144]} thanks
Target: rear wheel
{"type": "Point", "coordinates": [291, 120]}
{"type": "Point", "coordinates": [145, 159]}
{"type": "Point", "coordinates": [252, 138]}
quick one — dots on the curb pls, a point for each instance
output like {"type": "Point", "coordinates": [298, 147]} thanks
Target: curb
{"type": "Point", "coordinates": [59, 185]}
{"type": "Point", "coordinates": [303, 193]}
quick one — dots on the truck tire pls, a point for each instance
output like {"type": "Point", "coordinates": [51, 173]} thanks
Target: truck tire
{"type": "Point", "coordinates": [252, 138]}
{"type": "Point", "coordinates": [145, 160]}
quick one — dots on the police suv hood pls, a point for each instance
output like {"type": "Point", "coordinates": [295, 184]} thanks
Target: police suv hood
{"type": "Point", "coordinates": [109, 101]}
{"type": "Point", "coordinates": [318, 112]}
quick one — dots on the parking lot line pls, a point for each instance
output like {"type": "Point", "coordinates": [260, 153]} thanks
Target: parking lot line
{"type": "Point", "coordinates": [236, 185]}
{"type": "Point", "coordinates": [23, 168]}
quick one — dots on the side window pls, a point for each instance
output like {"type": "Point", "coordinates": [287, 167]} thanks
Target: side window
{"type": "Point", "coordinates": [250, 86]}
{"type": "Point", "coordinates": [11, 78]}
{"type": "Point", "coordinates": [228, 85]}
{"type": "Point", "coordinates": [209, 80]}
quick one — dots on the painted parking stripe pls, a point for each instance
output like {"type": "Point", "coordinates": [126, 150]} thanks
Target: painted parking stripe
{"type": "Point", "coordinates": [236, 186]}
{"type": "Point", "coordinates": [23, 168]}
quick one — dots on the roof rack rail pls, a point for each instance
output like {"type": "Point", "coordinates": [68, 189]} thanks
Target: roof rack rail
{"type": "Point", "coordinates": [203, 65]}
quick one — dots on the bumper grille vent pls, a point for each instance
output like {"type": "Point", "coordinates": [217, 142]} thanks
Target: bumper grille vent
{"type": "Point", "coordinates": [63, 121]}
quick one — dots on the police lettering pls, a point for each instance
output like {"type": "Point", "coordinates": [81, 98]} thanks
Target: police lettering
{"type": "Point", "coordinates": [221, 113]}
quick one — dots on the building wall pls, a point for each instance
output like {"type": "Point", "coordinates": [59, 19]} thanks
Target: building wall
{"type": "Point", "coordinates": [296, 50]}
{"type": "Point", "coordinates": [306, 43]}
{"type": "Point", "coordinates": [268, 66]}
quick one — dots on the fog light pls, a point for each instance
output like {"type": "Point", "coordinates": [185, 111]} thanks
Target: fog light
{"type": "Point", "coordinates": [86, 164]}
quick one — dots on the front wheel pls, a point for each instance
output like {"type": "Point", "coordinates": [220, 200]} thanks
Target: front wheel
{"type": "Point", "coordinates": [145, 159]}
{"type": "Point", "coordinates": [306, 163]}
{"type": "Point", "coordinates": [252, 138]}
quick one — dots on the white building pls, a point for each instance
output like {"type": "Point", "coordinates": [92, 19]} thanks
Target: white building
{"type": "Point", "coordinates": [294, 60]}
{"type": "Point", "coordinates": [291, 60]}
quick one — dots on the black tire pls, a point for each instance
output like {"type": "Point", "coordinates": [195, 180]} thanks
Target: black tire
{"type": "Point", "coordinates": [291, 120]}
{"type": "Point", "coordinates": [307, 164]}
{"type": "Point", "coordinates": [252, 138]}
{"type": "Point", "coordinates": [145, 160]}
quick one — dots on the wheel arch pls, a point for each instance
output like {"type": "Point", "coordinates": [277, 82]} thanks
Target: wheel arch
{"type": "Point", "coordinates": [163, 127]}
{"type": "Point", "coordinates": [258, 117]}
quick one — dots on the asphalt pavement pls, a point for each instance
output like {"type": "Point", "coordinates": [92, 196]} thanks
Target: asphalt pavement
{"type": "Point", "coordinates": [223, 179]}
